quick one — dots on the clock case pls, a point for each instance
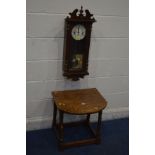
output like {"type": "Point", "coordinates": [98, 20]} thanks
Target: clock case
{"type": "Point", "coordinates": [85, 19]}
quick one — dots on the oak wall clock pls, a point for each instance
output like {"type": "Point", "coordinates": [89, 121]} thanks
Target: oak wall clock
{"type": "Point", "coordinates": [77, 35]}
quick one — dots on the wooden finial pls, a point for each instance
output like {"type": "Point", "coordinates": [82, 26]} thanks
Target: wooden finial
{"type": "Point", "coordinates": [81, 11]}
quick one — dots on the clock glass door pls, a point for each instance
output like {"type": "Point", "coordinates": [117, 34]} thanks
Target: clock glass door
{"type": "Point", "coordinates": [77, 47]}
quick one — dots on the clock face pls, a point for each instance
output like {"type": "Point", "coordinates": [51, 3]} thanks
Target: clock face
{"type": "Point", "coordinates": [78, 32]}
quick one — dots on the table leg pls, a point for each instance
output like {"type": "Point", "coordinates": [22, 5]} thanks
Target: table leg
{"type": "Point", "coordinates": [54, 114]}
{"type": "Point", "coordinates": [98, 130]}
{"type": "Point", "coordinates": [61, 127]}
{"type": "Point", "coordinates": [88, 118]}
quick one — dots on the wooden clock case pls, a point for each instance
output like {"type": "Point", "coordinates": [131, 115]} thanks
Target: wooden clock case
{"type": "Point", "coordinates": [71, 46]}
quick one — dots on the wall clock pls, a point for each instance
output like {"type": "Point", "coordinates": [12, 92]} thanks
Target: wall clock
{"type": "Point", "coordinates": [76, 43]}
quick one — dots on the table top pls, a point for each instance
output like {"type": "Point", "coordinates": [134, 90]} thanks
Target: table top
{"type": "Point", "coordinates": [80, 101]}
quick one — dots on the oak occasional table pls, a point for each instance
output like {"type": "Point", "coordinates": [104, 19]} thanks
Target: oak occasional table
{"type": "Point", "coordinates": [77, 102]}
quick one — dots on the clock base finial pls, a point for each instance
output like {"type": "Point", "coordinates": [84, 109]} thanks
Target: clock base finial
{"type": "Point", "coordinates": [75, 79]}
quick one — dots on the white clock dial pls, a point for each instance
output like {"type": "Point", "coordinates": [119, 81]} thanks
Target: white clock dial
{"type": "Point", "coordinates": [78, 32]}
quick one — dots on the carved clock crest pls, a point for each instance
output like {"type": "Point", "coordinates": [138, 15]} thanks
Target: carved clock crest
{"type": "Point", "coordinates": [76, 43]}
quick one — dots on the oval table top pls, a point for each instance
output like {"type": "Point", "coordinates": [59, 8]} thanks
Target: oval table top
{"type": "Point", "coordinates": [80, 101]}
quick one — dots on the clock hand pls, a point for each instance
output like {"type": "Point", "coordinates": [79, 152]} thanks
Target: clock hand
{"type": "Point", "coordinates": [78, 29]}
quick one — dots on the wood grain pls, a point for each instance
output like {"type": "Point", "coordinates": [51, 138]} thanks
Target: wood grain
{"type": "Point", "coordinates": [83, 101]}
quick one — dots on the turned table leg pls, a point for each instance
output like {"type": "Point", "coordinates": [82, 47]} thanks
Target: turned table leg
{"type": "Point", "coordinates": [61, 129]}
{"type": "Point", "coordinates": [88, 118]}
{"type": "Point", "coordinates": [98, 130]}
{"type": "Point", "coordinates": [54, 114]}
